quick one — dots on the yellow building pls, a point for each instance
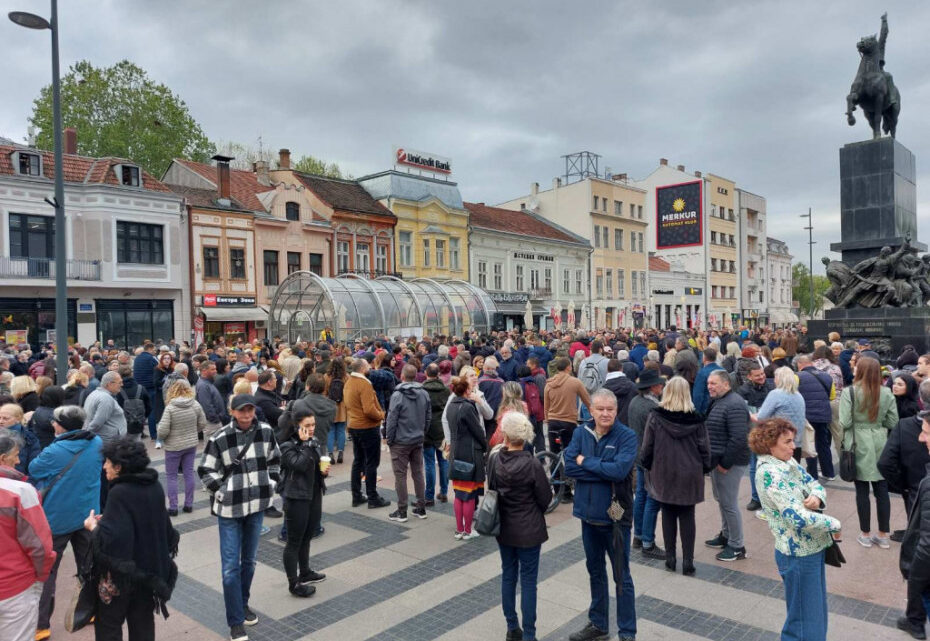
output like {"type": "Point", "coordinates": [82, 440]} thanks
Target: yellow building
{"type": "Point", "coordinates": [431, 236]}
{"type": "Point", "coordinates": [723, 244]}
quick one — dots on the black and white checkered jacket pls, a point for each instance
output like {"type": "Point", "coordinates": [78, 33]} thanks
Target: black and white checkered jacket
{"type": "Point", "coordinates": [248, 488]}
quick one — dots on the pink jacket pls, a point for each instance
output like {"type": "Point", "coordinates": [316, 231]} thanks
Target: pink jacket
{"type": "Point", "coordinates": [25, 537]}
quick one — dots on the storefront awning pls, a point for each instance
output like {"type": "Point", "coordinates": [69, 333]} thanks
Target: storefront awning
{"type": "Point", "coordinates": [783, 317]}
{"type": "Point", "coordinates": [258, 313]}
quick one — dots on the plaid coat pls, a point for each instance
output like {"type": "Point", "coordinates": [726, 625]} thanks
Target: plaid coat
{"type": "Point", "coordinates": [238, 491]}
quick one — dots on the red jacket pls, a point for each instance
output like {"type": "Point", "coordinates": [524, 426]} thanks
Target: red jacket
{"type": "Point", "coordinates": [25, 537]}
{"type": "Point", "coordinates": [578, 345]}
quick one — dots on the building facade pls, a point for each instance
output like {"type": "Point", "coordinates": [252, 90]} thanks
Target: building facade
{"type": "Point", "coordinates": [519, 257]}
{"type": "Point", "coordinates": [127, 250]}
{"type": "Point", "coordinates": [752, 250]}
{"type": "Point", "coordinates": [610, 214]}
{"type": "Point", "coordinates": [677, 295]}
{"type": "Point", "coordinates": [779, 285]}
{"type": "Point", "coordinates": [431, 235]}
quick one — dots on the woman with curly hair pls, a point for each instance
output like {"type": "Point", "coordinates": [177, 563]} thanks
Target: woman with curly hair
{"type": "Point", "coordinates": [793, 502]}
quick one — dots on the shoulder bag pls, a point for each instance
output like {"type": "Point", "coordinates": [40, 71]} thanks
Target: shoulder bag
{"type": "Point", "coordinates": [848, 456]}
{"type": "Point", "coordinates": [83, 606]}
{"type": "Point", "coordinates": [48, 488]}
{"type": "Point", "coordinates": [487, 516]}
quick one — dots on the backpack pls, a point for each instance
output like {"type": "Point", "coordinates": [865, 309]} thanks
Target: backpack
{"type": "Point", "coordinates": [335, 390]}
{"type": "Point", "coordinates": [533, 401]}
{"type": "Point", "coordinates": [134, 409]}
{"type": "Point", "coordinates": [591, 377]}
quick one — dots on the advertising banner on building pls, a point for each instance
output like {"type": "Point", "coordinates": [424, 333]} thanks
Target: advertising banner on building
{"type": "Point", "coordinates": [679, 215]}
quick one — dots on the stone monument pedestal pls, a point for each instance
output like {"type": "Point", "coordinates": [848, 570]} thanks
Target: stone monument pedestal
{"type": "Point", "coordinates": [878, 198]}
{"type": "Point", "coordinates": [888, 328]}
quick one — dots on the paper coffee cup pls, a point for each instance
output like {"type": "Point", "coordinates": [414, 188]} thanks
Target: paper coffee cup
{"type": "Point", "coordinates": [325, 462]}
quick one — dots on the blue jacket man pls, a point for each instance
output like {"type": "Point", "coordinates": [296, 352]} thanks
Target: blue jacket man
{"type": "Point", "coordinates": [600, 459]}
{"type": "Point", "coordinates": [71, 497]}
{"type": "Point", "coordinates": [638, 353]}
{"type": "Point", "coordinates": [699, 395]}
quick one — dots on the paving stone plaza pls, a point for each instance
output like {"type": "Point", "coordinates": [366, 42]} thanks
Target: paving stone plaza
{"type": "Point", "coordinates": [412, 582]}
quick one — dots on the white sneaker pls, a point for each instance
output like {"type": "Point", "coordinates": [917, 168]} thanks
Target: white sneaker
{"type": "Point", "coordinates": [760, 514]}
{"type": "Point", "coordinates": [458, 536]}
{"type": "Point", "coordinates": [468, 536]}
{"type": "Point", "coordinates": [157, 445]}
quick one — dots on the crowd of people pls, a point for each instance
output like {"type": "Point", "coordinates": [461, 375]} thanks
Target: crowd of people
{"type": "Point", "coordinates": [640, 418]}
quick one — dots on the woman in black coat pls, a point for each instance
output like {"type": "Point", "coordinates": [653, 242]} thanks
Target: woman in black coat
{"type": "Point", "coordinates": [468, 447]}
{"type": "Point", "coordinates": [134, 545]}
{"type": "Point", "coordinates": [676, 453]}
{"type": "Point", "coordinates": [524, 496]}
{"type": "Point", "coordinates": [41, 421]}
{"type": "Point", "coordinates": [904, 389]}
{"type": "Point", "coordinates": [302, 489]}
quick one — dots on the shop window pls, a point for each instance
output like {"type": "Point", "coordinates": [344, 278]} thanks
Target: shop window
{"type": "Point", "coordinates": [292, 211]}
{"type": "Point", "coordinates": [140, 243]}
{"type": "Point", "coordinates": [316, 264]}
{"type": "Point", "coordinates": [237, 264]}
{"type": "Point", "coordinates": [37, 317]}
{"type": "Point", "coordinates": [211, 262]}
{"type": "Point", "coordinates": [293, 262]}
{"type": "Point", "coordinates": [271, 267]}
{"type": "Point", "coordinates": [405, 243]}
{"type": "Point", "coordinates": [130, 323]}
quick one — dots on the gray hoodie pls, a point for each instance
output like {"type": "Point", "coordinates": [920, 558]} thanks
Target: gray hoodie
{"type": "Point", "coordinates": [409, 416]}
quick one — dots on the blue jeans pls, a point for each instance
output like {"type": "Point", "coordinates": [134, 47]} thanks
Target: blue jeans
{"type": "Point", "coordinates": [805, 596]}
{"type": "Point", "coordinates": [524, 561]}
{"type": "Point", "coordinates": [645, 511]}
{"type": "Point", "coordinates": [598, 540]}
{"type": "Point", "coordinates": [752, 476]}
{"type": "Point", "coordinates": [153, 420]}
{"type": "Point", "coordinates": [238, 545]}
{"type": "Point", "coordinates": [336, 440]}
{"type": "Point", "coordinates": [432, 456]}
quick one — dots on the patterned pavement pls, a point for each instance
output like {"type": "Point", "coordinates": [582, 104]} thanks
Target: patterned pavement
{"type": "Point", "coordinates": [413, 582]}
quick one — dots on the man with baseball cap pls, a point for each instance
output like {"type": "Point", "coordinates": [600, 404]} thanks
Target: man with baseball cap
{"type": "Point", "coordinates": [240, 468]}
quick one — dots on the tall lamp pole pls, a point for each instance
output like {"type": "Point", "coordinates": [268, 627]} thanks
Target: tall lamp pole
{"type": "Point", "coordinates": [32, 21]}
{"type": "Point", "coordinates": [810, 245]}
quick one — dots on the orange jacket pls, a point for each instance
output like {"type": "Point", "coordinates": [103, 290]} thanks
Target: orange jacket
{"type": "Point", "coordinates": [362, 407]}
{"type": "Point", "coordinates": [561, 398]}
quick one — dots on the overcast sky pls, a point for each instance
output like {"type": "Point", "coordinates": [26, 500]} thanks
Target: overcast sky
{"type": "Point", "coordinates": [752, 92]}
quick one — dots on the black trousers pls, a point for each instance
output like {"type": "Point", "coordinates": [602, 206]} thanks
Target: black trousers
{"type": "Point", "coordinates": [366, 450]}
{"type": "Point", "coordinates": [137, 609]}
{"type": "Point", "coordinates": [302, 519]}
{"type": "Point", "coordinates": [675, 517]}
{"type": "Point", "coordinates": [882, 505]}
{"type": "Point", "coordinates": [81, 543]}
{"type": "Point", "coordinates": [561, 430]}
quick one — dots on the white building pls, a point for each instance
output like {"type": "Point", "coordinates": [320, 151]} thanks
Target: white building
{"type": "Point", "coordinates": [778, 270]}
{"type": "Point", "coordinates": [677, 295]}
{"type": "Point", "coordinates": [752, 247]}
{"type": "Point", "coordinates": [127, 250]}
{"type": "Point", "coordinates": [520, 257]}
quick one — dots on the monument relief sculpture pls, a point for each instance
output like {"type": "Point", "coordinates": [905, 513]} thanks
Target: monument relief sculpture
{"type": "Point", "coordinates": [873, 89]}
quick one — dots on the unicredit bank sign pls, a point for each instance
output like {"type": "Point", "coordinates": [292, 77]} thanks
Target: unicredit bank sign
{"type": "Point", "coordinates": [422, 160]}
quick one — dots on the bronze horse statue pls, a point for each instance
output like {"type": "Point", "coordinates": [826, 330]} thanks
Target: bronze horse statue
{"type": "Point", "coordinates": [873, 90]}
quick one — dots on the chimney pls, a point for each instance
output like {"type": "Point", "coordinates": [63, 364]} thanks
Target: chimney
{"type": "Point", "coordinates": [681, 167]}
{"type": "Point", "coordinates": [260, 167]}
{"type": "Point", "coordinates": [620, 177]}
{"type": "Point", "coordinates": [556, 183]}
{"type": "Point", "coordinates": [697, 174]}
{"type": "Point", "coordinates": [284, 159]}
{"type": "Point", "coordinates": [71, 141]}
{"type": "Point", "coordinates": [534, 189]}
{"type": "Point", "coordinates": [663, 162]}
{"type": "Point", "coordinates": [222, 175]}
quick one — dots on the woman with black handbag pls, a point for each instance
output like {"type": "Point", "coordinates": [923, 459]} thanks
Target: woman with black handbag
{"type": "Point", "coordinates": [134, 545]}
{"type": "Point", "coordinates": [523, 496]}
{"type": "Point", "coordinates": [467, 452]}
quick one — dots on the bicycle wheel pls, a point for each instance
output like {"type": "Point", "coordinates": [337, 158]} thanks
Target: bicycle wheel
{"type": "Point", "coordinates": [555, 472]}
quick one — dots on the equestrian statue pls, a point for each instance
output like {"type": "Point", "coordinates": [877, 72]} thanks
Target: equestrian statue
{"type": "Point", "coordinates": [873, 89]}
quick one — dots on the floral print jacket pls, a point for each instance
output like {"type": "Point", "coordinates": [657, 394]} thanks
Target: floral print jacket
{"type": "Point", "coordinates": [782, 487]}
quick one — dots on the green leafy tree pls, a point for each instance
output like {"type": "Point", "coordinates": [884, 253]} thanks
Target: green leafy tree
{"type": "Point", "coordinates": [119, 111]}
{"type": "Point", "coordinates": [801, 288]}
{"type": "Point", "coordinates": [313, 165]}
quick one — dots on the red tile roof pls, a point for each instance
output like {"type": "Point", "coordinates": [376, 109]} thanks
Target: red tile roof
{"type": "Point", "coordinates": [205, 198]}
{"type": "Point", "coordinates": [516, 222]}
{"type": "Point", "coordinates": [659, 265]}
{"type": "Point", "coordinates": [346, 195]}
{"type": "Point", "coordinates": [77, 169]}
{"type": "Point", "coordinates": [243, 185]}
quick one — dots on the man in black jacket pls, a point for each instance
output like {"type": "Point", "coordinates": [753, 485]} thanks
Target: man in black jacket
{"type": "Point", "coordinates": [432, 452]}
{"type": "Point", "coordinates": [754, 391]}
{"type": "Point", "coordinates": [269, 401]}
{"type": "Point", "coordinates": [903, 464]}
{"type": "Point", "coordinates": [727, 426]}
{"type": "Point", "coordinates": [915, 548]}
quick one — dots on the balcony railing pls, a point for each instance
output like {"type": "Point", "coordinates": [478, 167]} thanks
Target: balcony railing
{"type": "Point", "coordinates": [44, 268]}
{"type": "Point", "coordinates": [541, 292]}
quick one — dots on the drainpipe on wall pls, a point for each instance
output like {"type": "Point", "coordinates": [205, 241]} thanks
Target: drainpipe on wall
{"type": "Point", "coordinates": [590, 297]}
{"type": "Point", "coordinates": [190, 263]}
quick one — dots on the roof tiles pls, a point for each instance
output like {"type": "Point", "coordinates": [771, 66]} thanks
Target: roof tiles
{"type": "Point", "coordinates": [345, 195]}
{"type": "Point", "coordinates": [516, 222]}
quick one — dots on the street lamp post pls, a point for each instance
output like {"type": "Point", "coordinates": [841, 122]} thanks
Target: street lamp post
{"type": "Point", "coordinates": [32, 21]}
{"type": "Point", "coordinates": [810, 246]}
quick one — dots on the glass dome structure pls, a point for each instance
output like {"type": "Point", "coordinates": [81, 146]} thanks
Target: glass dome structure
{"type": "Point", "coordinates": [304, 304]}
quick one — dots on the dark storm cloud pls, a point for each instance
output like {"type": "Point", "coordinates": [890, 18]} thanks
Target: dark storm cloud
{"type": "Point", "coordinates": [754, 92]}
